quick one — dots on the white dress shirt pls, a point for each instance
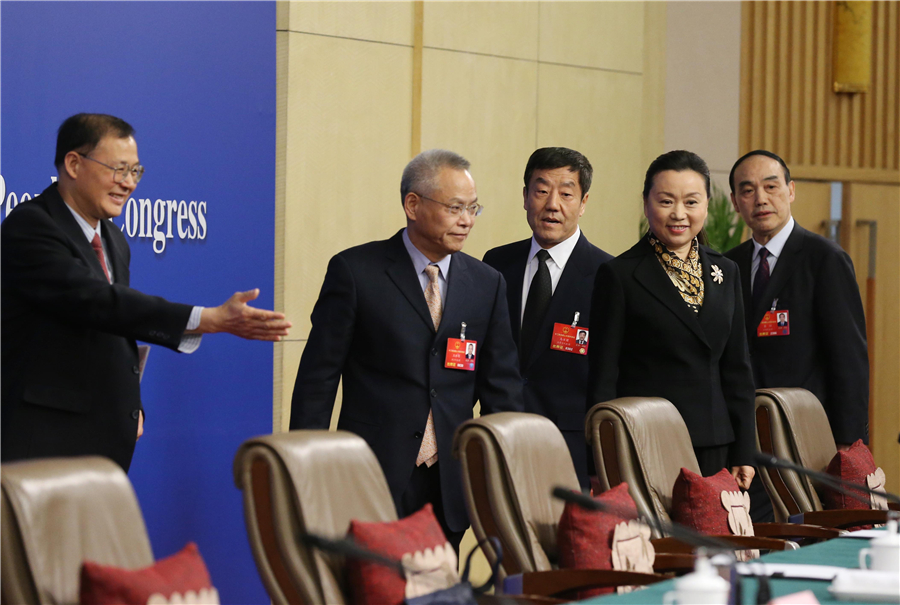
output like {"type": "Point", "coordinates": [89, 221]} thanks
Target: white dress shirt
{"type": "Point", "coordinates": [559, 256]}
{"type": "Point", "coordinates": [189, 342]}
{"type": "Point", "coordinates": [774, 248]}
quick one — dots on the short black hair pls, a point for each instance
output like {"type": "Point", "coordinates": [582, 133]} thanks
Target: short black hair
{"type": "Point", "coordinates": [549, 158]}
{"type": "Point", "coordinates": [768, 154]}
{"type": "Point", "coordinates": [84, 131]}
{"type": "Point", "coordinates": [678, 160]}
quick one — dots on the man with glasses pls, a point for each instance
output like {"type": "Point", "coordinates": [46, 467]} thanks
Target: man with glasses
{"type": "Point", "coordinates": [70, 363]}
{"type": "Point", "coordinates": [394, 319]}
{"type": "Point", "coordinates": [551, 280]}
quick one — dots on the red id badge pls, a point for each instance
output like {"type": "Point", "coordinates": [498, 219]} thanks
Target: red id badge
{"type": "Point", "coordinates": [569, 339]}
{"type": "Point", "coordinates": [460, 354]}
{"type": "Point", "coordinates": [774, 323]}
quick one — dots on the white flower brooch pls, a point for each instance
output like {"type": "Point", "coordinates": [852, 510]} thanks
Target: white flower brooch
{"type": "Point", "coordinates": [717, 274]}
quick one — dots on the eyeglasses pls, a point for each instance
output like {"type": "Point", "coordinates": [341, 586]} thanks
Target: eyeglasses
{"type": "Point", "coordinates": [120, 173]}
{"type": "Point", "coordinates": [473, 209]}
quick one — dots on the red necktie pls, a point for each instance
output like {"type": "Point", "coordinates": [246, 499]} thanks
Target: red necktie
{"type": "Point", "coordinates": [98, 250]}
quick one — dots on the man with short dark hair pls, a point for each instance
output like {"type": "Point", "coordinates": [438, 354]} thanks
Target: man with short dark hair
{"type": "Point", "coordinates": [550, 279]}
{"type": "Point", "coordinates": [70, 367]}
{"type": "Point", "coordinates": [804, 316]}
{"type": "Point", "coordinates": [394, 319]}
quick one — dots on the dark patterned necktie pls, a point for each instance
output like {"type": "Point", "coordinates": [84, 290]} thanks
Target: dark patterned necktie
{"type": "Point", "coordinates": [98, 250]}
{"type": "Point", "coordinates": [762, 277]}
{"type": "Point", "coordinates": [539, 295]}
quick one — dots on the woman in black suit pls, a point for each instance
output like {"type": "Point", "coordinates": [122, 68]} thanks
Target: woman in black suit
{"type": "Point", "coordinates": [669, 322]}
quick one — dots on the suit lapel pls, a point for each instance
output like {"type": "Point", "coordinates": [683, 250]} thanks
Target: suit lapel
{"type": "Point", "coordinates": [116, 254]}
{"type": "Point", "coordinates": [713, 293]}
{"type": "Point", "coordinates": [569, 281]}
{"type": "Point", "coordinates": [784, 268]}
{"type": "Point", "coordinates": [459, 288]}
{"type": "Point", "coordinates": [63, 217]}
{"type": "Point", "coordinates": [400, 271]}
{"type": "Point", "coordinates": [650, 274]}
{"type": "Point", "coordinates": [515, 278]}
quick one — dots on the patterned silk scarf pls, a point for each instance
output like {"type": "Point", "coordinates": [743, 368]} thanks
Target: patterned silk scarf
{"type": "Point", "coordinates": [687, 275]}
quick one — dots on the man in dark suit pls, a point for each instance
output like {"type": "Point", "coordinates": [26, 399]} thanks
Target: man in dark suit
{"type": "Point", "coordinates": [70, 368]}
{"type": "Point", "coordinates": [390, 318]}
{"type": "Point", "coordinates": [787, 269]}
{"type": "Point", "coordinates": [550, 277]}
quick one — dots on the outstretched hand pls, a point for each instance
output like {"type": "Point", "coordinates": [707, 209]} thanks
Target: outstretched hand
{"type": "Point", "coordinates": [743, 475]}
{"type": "Point", "coordinates": [236, 317]}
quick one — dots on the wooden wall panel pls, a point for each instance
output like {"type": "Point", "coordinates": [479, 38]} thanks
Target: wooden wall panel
{"type": "Point", "coordinates": [787, 99]}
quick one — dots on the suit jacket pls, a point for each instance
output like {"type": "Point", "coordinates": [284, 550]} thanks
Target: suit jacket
{"type": "Point", "coordinates": [372, 327]}
{"type": "Point", "coordinates": [647, 343]}
{"type": "Point", "coordinates": [555, 382]}
{"type": "Point", "coordinates": [70, 378]}
{"type": "Point", "coordinates": [826, 352]}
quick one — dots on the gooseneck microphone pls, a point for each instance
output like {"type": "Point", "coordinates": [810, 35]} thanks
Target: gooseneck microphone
{"type": "Point", "coordinates": [350, 549]}
{"type": "Point", "coordinates": [839, 485]}
{"type": "Point", "coordinates": [675, 530]}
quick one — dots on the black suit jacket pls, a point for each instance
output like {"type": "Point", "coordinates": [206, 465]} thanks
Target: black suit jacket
{"type": "Point", "coordinates": [647, 343]}
{"type": "Point", "coordinates": [825, 353]}
{"type": "Point", "coordinates": [69, 358]}
{"type": "Point", "coordinates": [555, 382]}
{"type": "Point", "coordinates": [372, 326]}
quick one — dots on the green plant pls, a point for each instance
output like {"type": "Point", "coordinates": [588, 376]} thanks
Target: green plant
{"type": "Point", "coordinates": [724, 227]}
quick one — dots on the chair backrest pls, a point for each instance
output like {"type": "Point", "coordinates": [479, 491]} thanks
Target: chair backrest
{"type": "Point", "coordinates": [792, 424]}
{"type": "Point", "coordinates": [511, 462]}
{"type": "Point", "coordinates": [307, 481]}
{"type": "Point", "coordinates": [642, 441]}
{"type": "Point", "coordinates": [59, 512]}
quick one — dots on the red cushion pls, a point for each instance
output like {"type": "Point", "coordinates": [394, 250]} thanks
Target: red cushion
{"type": "Point", "coordinates": [182, 572]}
{"type": "Point", "coordinates": [373, 583]}
{"type": "Point", "coordinates": [584, 537]}
{"type": "Point", "coordinates": [697, 501]}
{"type": "Point", "coordinates": [851, 465]}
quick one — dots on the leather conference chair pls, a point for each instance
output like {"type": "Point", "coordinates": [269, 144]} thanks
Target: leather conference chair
{"type": "Point", "coordinates": [643, 441]}
{"type": "Point", "coordinates": [511, 462]}
{"type": "Point", "coordinates": [792, 424]}
{"type": "Point", "coordinates": [307, 481]}
{"type": "Point", "coordinates": [57, 513]}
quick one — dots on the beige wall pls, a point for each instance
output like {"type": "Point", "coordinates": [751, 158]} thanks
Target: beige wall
{"type": "Point", "coordinates": [703, 77]}
{"type": "Point", "coordinates": [881, 203]}
{"type": "Point", "coordinates": [498, 80]}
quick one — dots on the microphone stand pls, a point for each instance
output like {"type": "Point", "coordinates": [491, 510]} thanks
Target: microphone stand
{"type": "Point", "coordinates": [839, 485]}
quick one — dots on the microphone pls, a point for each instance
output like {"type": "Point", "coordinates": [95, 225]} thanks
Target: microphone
{"type": "Point", "coordinates": [839, 485]}
{"type": "Point", "coordinates": [351, 550]}
{"type": "Point", "coordinates": [675, 530]}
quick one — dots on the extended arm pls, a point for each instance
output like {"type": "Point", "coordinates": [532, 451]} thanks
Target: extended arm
{"type": "Point", "coordinates": [43, 272]}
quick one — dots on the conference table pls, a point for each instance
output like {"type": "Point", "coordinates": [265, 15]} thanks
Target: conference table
{"type": "Point", "coordinates": [839, 552]}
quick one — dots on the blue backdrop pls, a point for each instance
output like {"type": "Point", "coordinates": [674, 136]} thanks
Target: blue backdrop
{"type": "Point", "coordinates": [197, 81]}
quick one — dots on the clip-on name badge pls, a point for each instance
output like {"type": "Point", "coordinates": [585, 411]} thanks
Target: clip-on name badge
{"type": "Point", "coordinates": [461, 352]}
{"type": "Point", "coordinates": [570, 339]}
{"type": "Point", "coordinates": [775, 322]}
